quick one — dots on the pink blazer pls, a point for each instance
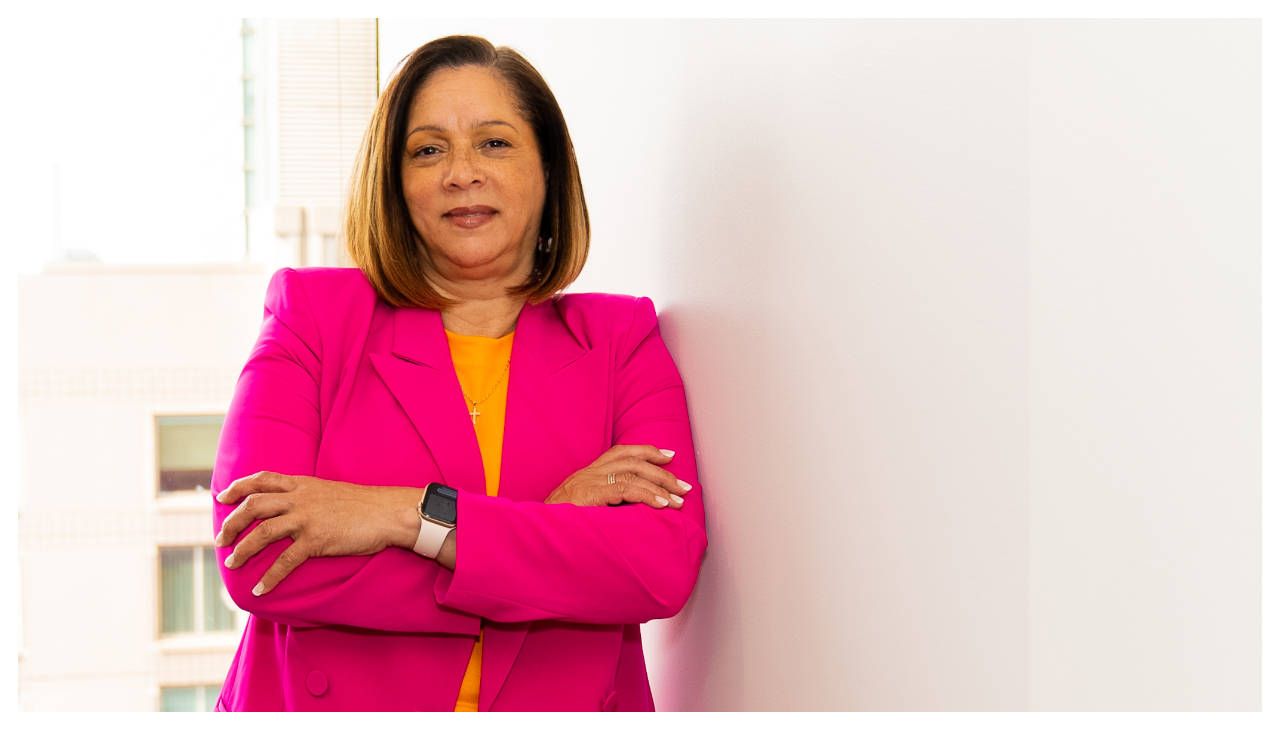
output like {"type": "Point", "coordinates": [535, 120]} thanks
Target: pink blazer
{"type": "Point", "coordinates": [344, 387]}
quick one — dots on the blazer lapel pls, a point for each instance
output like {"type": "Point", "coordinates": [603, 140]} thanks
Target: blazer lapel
{"type": "Point", "coordinates": [554, 406]}
{"type": "Point", "coordinates": [557, 403]}
{"type": "Point", "coordinates": [420, 375]}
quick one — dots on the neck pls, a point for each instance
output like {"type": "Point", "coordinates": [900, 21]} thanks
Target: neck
{"type": "Point", "coordinates": [482, 307]}
{"type": "Point", "coordinates": [483, 317]}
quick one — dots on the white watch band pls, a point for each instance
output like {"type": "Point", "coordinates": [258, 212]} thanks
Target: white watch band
{"type": "Point", "coordinates": [431, 537]}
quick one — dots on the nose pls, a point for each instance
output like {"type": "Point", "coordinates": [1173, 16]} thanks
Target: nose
{"type": "Point", "coordinates": [464, 169]}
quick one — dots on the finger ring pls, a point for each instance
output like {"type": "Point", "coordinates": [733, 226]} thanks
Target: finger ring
{"type": "Point", "coordinates": [611, 479]}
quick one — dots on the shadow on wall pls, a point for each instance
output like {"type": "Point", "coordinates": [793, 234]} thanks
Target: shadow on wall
{"type": "Point", "coordinates": [697, 657]}
{"type": "Point", "coordinates": [844, 291]}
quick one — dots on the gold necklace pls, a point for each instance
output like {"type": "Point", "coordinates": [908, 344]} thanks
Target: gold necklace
{"type": "Point", "coordinates": [475, 404]}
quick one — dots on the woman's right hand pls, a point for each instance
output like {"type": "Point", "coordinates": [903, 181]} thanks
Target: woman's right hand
{"type": "Point", "coordinates": [637, 476]}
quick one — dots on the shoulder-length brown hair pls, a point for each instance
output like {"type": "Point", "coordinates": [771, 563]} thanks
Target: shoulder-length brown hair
{"type": "Point", "coordinates": [380, 236]}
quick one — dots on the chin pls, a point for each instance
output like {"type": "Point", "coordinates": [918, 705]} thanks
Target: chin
{"type": "Point", "coordinates": [476, 268]}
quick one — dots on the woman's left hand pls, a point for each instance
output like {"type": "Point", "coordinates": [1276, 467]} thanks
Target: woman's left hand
{"type": "Point", "coordinates": [323, 518]}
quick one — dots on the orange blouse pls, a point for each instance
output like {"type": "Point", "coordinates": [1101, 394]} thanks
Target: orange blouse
{"type": "Point", "coordinates": [482, 367]}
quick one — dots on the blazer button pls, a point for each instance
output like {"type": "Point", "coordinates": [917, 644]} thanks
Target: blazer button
{"type": "Point", "coordinates": [317, 683]}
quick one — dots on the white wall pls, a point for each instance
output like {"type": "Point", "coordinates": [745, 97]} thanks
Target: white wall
{"type": "Point", "coordinates": [1145, 365]}
{"type": "Point", "coordinates": [968, 312]}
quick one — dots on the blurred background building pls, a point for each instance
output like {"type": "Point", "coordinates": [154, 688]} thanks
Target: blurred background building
{"type": "Point", "coordinates": [126, 371]}
{"type": "Point", "coordinates": [122, 605]}
{"type": "Point", "coordinates": [310, 86]}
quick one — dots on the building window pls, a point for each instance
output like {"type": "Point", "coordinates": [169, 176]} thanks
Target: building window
{"type": "Point", "coordinates": [189, 699]}
{"type": "Point", "coordinates": [192, 598]}
{"type": "Point", "coordinates": [185, 451]}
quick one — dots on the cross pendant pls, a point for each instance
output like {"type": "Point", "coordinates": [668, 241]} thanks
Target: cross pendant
{"type": "Point", "coordinates": [474, 412]}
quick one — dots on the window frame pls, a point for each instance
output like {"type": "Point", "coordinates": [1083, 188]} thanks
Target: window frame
{"type": "Point", "coordinates": [198, 634]}
{"type": "Point", "coordinates": [202, 696]}
{"type": "Point", "coordinates": [201, 497]}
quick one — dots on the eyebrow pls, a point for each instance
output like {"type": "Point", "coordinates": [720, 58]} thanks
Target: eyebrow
{"type": "Point", "coordinates": [440, 130]}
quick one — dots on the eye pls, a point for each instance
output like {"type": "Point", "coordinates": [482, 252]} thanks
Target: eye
{"type": "Point", "coordinates": [494, 143]}
{"type": "Point", "coordinates": [426, 151]}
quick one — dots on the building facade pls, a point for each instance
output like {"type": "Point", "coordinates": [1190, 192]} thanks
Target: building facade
{"type": "Point", "coordinates": [125, 375]}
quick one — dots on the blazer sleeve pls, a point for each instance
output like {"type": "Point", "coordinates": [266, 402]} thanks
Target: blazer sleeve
{"type": "Point", "coordinates": [274, 424]}
{"type": "Point", "coordinates": [528, 561]}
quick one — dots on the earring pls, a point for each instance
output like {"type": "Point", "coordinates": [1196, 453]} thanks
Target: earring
{"type": "Point", "coordinates": [544, 245]}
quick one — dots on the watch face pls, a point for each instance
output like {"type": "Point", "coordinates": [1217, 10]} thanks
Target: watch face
{"type": "Point", "coordinates": [441, 504]}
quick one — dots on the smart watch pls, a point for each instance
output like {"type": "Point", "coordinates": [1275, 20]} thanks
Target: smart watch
{"type": "Point", "coordinates": [439, 513]}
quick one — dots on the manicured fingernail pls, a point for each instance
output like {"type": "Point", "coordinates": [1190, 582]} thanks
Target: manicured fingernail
{"type": "Point", "coordinates": [217, 541]}
{"type": "Point", "coordinates": [218, 496]}
{"type": "Point", "coordinates": [678, 498]}
{"type": "Point", "coordinates": [661, 501]}
{"type": "Point", "coordinates": [666, 452]}
{"type": "Point", "coordinates": [228, 562]}
{"type": "Point", "coordinates": [257, 590]}
{"type": "Point", "coordinates": [686, 486]}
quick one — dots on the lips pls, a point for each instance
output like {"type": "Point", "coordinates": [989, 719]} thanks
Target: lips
{"type": "Point", "coordinates": [472, 216]}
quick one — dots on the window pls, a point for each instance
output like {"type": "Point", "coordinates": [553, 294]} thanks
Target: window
{"type": "Point", "coordinates": [192, 598]}
{"type": "Point", "coordinates": [189, 699]}
{"type": "Point", "coordinates": [185, 450]}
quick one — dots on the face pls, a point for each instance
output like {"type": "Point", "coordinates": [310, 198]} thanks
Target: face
{"type": "Point", "coordinates": [472, 180]}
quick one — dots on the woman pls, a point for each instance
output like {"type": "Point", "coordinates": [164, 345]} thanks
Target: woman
{"type": "Point", "coordinates": [448, 357]}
